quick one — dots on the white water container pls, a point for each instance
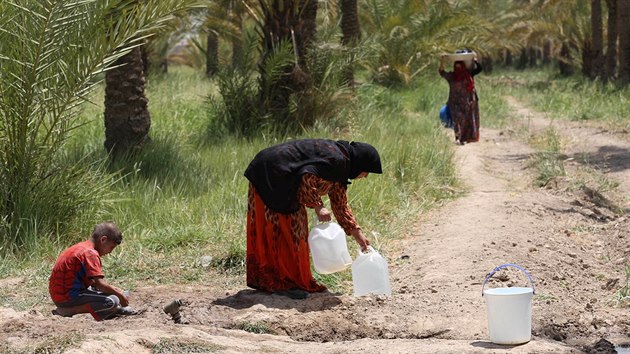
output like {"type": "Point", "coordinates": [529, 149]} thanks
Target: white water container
{"type": "Point", "coordinates": [370, 274]}
{"type": "Point", "coordinates": [329, 249]}
{"type": "Point", "coordinates": [509, 311]}
{"type": "Point", "coordinates": [467, 58]}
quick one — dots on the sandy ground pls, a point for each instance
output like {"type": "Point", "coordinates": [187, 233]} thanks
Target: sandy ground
{"type": "Point", "coordinates": [574, 242]}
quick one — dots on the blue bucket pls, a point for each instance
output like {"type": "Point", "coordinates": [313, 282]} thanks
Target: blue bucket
{"type": "Point", "coordinates": [445, 117]}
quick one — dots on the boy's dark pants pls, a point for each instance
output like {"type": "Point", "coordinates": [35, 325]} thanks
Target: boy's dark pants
{"type": "Point", "coordinates": [101, 306]}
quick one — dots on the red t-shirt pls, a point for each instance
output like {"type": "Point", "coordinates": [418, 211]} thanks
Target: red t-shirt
{"type": "Point", "coordinates": [74, 271]}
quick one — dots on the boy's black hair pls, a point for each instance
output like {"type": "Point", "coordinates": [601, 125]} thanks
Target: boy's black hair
{"type": "Point", "coordinates": [108, 229]}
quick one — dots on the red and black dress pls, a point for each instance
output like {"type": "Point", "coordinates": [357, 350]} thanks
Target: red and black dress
{"type": "Point", "coordinates": [285, 180]}
{"type": "Point", "coordinates": [463, 102]}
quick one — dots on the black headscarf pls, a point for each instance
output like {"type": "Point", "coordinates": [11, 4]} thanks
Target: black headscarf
{"type": "Point", "coordinates": [276, 172]}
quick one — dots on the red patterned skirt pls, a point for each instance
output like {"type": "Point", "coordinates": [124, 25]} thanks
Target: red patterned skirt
{"type": "Point", "coordinates": [278, 256]}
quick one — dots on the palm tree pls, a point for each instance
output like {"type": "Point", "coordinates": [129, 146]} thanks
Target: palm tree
{"type": "Point", "coordinates": [223, 19]}
{"type": "Point", "coordinates": [623, 10]}
{"type": "Point", "coordinates": [597, 41]}
{"type": "Point", "coordinates": [411, 34]}
{"type": "Point", "coordinates": [613, 34]}
{"type": "Point", "coordinates": [127, 118]}
{"type": "Point", "coordinates": [212, 53]}
{"type": "Point", "coordinates": [283, 24]}
{"type": "Point", "coordinates": [350, 29]}
{"type": "Point", "coordinates": [566, 24]}
{"type": "Point", "coordinates": [52, 53]}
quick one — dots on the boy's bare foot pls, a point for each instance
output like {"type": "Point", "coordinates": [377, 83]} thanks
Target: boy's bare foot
{"type": "Point", "coordinates": [127, 311]}
{"type": "Point", "coordinates": [60, 312]}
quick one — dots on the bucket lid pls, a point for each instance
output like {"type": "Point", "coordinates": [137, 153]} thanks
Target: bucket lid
{"type": "Point", "coordinates": [508, 291]}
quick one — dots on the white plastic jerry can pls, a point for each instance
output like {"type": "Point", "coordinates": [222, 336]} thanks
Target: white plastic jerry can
{"type": "Point", "coordinates": [370, 274]}
{"type": "Point", "coordinates": [329, 249]}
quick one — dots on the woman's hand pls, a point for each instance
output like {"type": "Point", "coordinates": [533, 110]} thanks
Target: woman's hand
{"type": "Point", "coordinates": [323, 214]}
{"type": "Point", "coordinates": [361, 240]}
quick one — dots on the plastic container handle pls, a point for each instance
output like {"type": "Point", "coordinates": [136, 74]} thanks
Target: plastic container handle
{"type": "Point", "coordinates": [505, 266]}
{"type": "Point", "coordinates": [318, 222]}
{"type": "Point", "coordinates": [369, 250]}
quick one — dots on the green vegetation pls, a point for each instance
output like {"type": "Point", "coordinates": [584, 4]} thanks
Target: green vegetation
{"type": "Point", "coordinates": [184, 197]}
{"type": "Point", "coordinates": [58, 345]}
{"type": "Point", "coordinates": [51, 55]}
{"type": "Point", "coordinates": [573, 98]}
{"type": "Point", "coordinates": [174, 345]}
{"type": "Point", "coordinates": [548, 160]}
{"type": "Point", "coordinates": [622, 296]}
{"type": "Point", "coordinates": [257, 327]}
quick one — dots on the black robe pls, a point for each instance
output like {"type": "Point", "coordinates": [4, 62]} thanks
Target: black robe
{"type": "Point", "coordinates": [276, 172]}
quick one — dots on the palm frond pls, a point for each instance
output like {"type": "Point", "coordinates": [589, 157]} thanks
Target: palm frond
{"type": "Point", "coordinates": [51, 54]}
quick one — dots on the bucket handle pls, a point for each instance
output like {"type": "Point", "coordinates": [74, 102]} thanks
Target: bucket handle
{"type": "Point", "coordinates": [505, 266]}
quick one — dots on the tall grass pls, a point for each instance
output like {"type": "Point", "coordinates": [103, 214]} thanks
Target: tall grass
{"type": "Point", "coordinates": [184, 196]}
{"type": "Point", "coordinates": [548, 159]}
{"type": "Point", "coordinates": [52, 55]}
{"type": "Point", "coordinates": [622, 297]}
{"type": "Point", "coordinates": [575, 98]}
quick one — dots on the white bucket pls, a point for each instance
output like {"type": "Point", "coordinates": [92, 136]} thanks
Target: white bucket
{"type": "Point", "coordinates": [370, 274]}
{"type": "Point", "coordinates": [327, 242]}
{"type": "Point", "coordinates": [467, 58]}
{"type": "Point", "coordinates": [509, 311]}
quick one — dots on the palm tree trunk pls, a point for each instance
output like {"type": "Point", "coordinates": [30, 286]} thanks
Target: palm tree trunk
{"type": "Point", "coordinates": [623, 8]}
{"type": "Point", "coordinates": [127, 119]}
{"type": "Point", "coordinates": [533, 56]}
{"type": "Point", "coordinates": [565, 62]}
{"type": "Point", "coordinates": [350, 30]}
{"type": "Point", "coordinates": [308, 29]}
{"type": "Point", "coordinates": [212, 53]}
{"type": "Point", "coordinates": [597, 49]}
{"type": "Point", "coordinates": [523, 59]}
{"type": "Point", "coordinates": [613, 34]}
{"type": "Point", "coordinates": [293, 21]}
{"type": "Point", "coordinates": [237, 47]}
{"type": "Point", "coordinates": [587, 58]}
{"type": "Point", "coordinates": [546, 57]}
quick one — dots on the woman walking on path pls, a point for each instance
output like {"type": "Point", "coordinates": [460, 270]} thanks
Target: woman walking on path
{"type": "Point", "coordinates": [462, 100]}
{"type": "Point", "coordinates": [286, 179]}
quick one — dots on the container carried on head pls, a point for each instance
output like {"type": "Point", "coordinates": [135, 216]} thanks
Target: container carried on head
{"type": "Point", "coordinates": [465, 55]}
{"type": "Point", "coordinates": [509, 311]}
{"type": "Point", "coordinates": [329, 249]}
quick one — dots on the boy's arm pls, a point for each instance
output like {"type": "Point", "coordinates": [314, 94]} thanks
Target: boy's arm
{"type": "Point", "coordinates": [101, 285]}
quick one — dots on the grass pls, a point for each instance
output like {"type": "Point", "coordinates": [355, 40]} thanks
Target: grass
{"type": "Point", "coordinates": [57, 345]}
{"type": "Point", "coordinates": [173, 345]}
{"type": "Point", "coordinates": [184, 197]}
{"type": "Point", "coordinates": [548, 159]}
{"type": "Point", "coordinates": [622, 297]}
{"type": "Point", "coordinates": [544, 297]}
{"type": "Point", "coordinates": [256, 327]}
{"type": "Point", "coordinates": [574, 98]}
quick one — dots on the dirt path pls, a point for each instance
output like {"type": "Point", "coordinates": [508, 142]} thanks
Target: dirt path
{"type": "Point", "coordinates": [573, 241]}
